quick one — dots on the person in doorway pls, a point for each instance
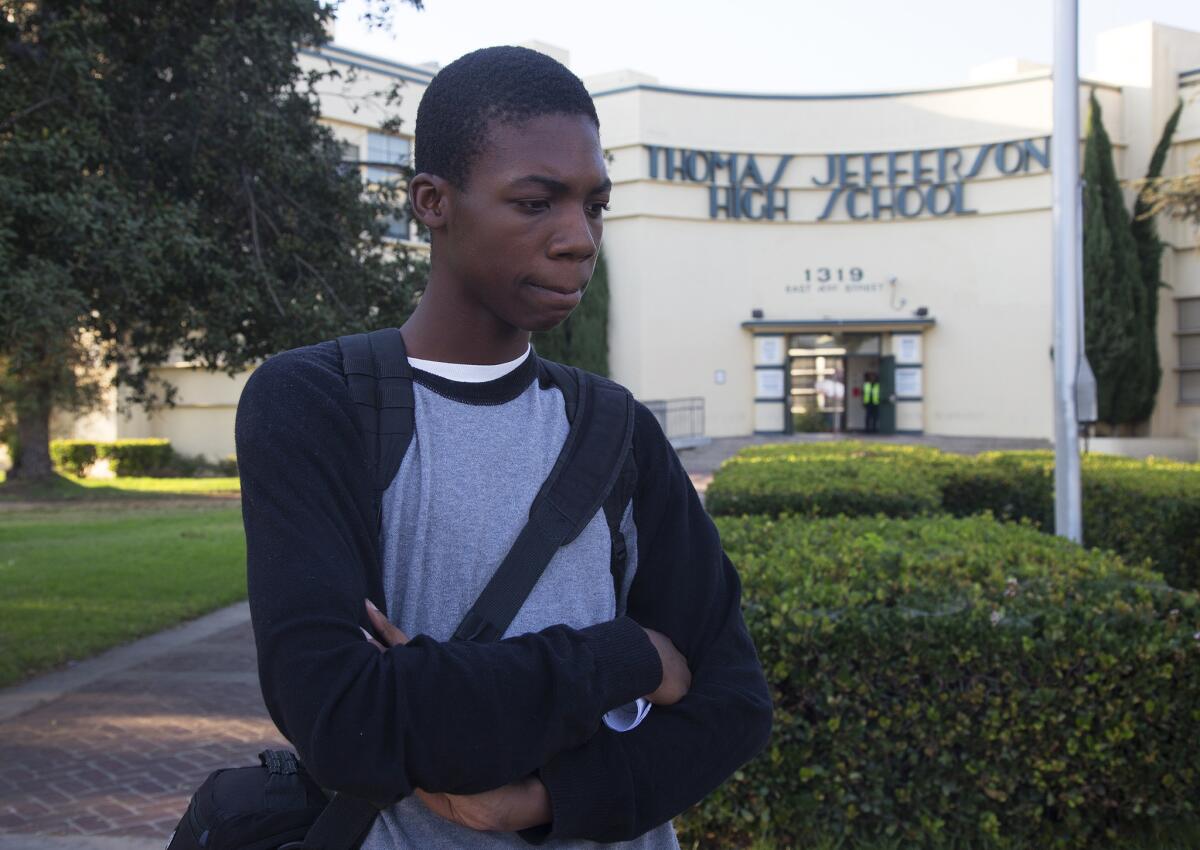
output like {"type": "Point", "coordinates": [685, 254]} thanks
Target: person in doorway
{"type": "Point", "coordinates": [470, 744]}
{"type": "Point", "coordinates": [870, 395]}
{"type": "Point", "coordinates": [832, 397]}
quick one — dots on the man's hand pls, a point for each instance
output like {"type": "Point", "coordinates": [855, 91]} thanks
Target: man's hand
{"type": "Point", "coordinates": [677, 678]}
{"type": "Point", "coordinates": [510, 808]}
{"type": "Point", "coordinates": [520, 805]}
{"type": "Point", "coordinates": [383, 627]}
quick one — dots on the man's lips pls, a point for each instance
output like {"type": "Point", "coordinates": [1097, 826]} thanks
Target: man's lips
{"type": "Point", "coordinates": [553, 289]}
{"type": "Point", "coordinates": [557, 299]}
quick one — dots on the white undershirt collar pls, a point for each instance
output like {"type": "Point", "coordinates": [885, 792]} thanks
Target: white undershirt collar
{"type": "Point", "coordinates": [468, 373]}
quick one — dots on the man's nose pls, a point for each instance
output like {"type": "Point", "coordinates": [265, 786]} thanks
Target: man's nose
{"type": "Point", "coordinates": [573, 237]}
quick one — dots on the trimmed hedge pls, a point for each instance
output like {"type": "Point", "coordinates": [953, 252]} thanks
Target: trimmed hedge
{"type": "Point", "coordinates": [1139, 509]}
{"type": "Point", "coordinates": [73, 456]}
{"type": "Point", "coordinates": [944, 682]}
{"type": "Point", "coordinates": [137, 457]}
{"type": "Point", "coordinates": [827, 479]}
{"type": "Point", "coordinates": [125, 457]}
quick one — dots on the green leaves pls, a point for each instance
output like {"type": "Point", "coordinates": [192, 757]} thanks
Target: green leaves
{"type": "Point", "coordinates": [166, 191]}
{"type": "Point", "coordinates": [827, 480]}
{"type": "Point", "coordinates": [909, 713]}
{"type": "Point", "coordinates": [1141, 509]}
{"type": "Point", "coordinates": [1119, 318]}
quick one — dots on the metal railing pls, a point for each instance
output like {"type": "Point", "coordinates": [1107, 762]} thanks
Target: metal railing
{"type": "Point", "coordinates": [682, 420]}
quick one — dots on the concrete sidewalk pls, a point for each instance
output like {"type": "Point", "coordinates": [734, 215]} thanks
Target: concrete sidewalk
{"type": "Point", "coordinates": [106, 754]}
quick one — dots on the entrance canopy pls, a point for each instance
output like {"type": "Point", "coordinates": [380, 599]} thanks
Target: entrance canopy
{"type": "Point", "coordinates": [766, 326]}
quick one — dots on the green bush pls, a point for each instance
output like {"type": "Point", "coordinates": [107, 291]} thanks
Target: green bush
{"type": "Point", "coordinates": [1141, 509]}
{"type": "Point", "coordinates": [197, 466]}
{"type": "Point", "coordinates": [1148, 514]}
{"type": "Point", "coordinates": [944, 682]}
{"type": "Point", "coordinates": [827, 479]}
{"type": "Point", "coordinates": [226, 467]}
{"type": "Point", "coordinates": [846, 448]}
{"type": "Point", "coordinates": [137, 457]}
{"type": "Point", "coordinates": [133, 457]}
{"type": "Point", "coordinates": [810, 422]}
{"type": "Point", "coordinates": [73, 456]}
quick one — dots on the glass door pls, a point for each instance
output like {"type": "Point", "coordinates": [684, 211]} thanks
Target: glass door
{"type": "Point", "coordinates": [826, 373]}
{"type": "Point", "coordinates": [817, 373]}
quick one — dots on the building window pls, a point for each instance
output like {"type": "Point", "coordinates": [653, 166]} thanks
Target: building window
{"type": "Point", "coordinates": [386, 154]}
{"type": "Point", "coordinates": [1188, 335]}
{"type": "Point", "coordinates": [349, 156]}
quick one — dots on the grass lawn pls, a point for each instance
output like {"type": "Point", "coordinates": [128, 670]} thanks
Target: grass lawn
{"type": "Point", "coordinates": [69, 488]}
{"type": "Point", "coordinates": [77, 579]}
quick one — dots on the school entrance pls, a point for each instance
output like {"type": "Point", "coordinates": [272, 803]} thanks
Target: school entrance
{"type": "Point", "coordinates": [813, 376]}
{"type": "Point", "coordinates": [828, 374]}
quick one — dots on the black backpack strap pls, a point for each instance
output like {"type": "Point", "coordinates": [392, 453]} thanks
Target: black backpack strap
{"type": "Point", "coordinates": [380, 383]}
{"type": "Point", "coordinates": [342, 825]}
{"type": "Point", "coordinates": [618, 497]}
{"type": "Point", "coordinates": [284, 789]}
{"type": "Point", "coordinates": [588, 466]}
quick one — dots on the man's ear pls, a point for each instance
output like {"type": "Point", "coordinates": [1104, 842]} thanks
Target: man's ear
{"type": "Point", "coordinates": [430, 199]}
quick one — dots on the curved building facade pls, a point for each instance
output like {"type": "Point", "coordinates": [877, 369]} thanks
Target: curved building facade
{"type": "Point", "coordinates": [767, 253]}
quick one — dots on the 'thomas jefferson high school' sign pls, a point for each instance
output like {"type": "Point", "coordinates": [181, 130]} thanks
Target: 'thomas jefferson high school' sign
{"type": "Point", "coordinates": [864, 186]}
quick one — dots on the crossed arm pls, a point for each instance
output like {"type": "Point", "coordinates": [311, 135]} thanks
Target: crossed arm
{"type": "Point", "coordinates": [524, 804]}
{"type": "Point", "coordinates": [522, 710]}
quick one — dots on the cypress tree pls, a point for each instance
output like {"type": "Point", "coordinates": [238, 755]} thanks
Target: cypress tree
{"type": "Point", "coordinates": [1114, 298]}
{"type": "Point", "coordinates": [582, 340]}
{"type": "Point", "coordinates": [1149, 250]}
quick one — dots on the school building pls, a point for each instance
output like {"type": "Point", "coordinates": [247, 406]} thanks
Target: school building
{"type": "Point", "coordinates": [767, 251]}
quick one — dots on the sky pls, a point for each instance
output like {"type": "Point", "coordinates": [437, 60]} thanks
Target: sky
{"type": "Point", "coordinates": [797, 46]}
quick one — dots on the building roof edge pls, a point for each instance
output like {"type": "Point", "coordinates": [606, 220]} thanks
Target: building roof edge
{"type": "Point", "coordinates": [843, 96]}
{"type": "Point", "coordinates": [367, 57]}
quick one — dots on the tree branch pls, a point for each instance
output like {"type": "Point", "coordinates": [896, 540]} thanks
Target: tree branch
{"type": "Point", "coordinates": [324, 283]}
{"type": "Point", "coordinates": [262, 268]}
{"type": "Point", "coordinates": [12, 119]}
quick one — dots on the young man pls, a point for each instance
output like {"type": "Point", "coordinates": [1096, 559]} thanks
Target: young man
{"type": "Point", "coordinates": [535, 738]}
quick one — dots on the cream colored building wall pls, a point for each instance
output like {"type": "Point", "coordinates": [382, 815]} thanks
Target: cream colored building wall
{"type": "Point", "coordinates": [1181, 269]}
{"type": "Point", "coordinates": [680, 304]}
{"type": "Point", "coordinates": [201, 422]}
{"type": "Point", "coordinates": [683, 283]}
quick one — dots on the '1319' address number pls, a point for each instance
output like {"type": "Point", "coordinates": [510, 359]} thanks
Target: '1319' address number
{"type": "Point", "coordinates": [825, 274]}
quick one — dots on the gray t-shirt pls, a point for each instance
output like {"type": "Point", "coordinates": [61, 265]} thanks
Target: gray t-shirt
{"type": "Point", "coordinates": [460, 498]}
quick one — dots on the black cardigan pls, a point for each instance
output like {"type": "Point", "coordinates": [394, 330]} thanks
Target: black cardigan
{"type": "Point", "coordinates": [377, 725]}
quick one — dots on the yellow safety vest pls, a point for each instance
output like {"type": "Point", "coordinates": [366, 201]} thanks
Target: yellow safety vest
{"type": "Point", "coordinates": [870, 393]}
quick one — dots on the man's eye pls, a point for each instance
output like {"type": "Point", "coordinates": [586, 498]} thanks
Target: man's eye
{"type": "Point", "coordinates": [598, 209]}
{"type": "Point", "coordinates": [534, 205]}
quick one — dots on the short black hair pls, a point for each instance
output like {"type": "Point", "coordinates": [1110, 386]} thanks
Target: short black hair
{"type": "Point", "coordinates": [505, 84]}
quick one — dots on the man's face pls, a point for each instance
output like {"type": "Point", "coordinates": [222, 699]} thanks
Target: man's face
{"type": "Point", "coordinates": [524, 233]}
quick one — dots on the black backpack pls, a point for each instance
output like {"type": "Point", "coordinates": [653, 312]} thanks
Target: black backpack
{"type": "Point", "coordinates": [276, 804]}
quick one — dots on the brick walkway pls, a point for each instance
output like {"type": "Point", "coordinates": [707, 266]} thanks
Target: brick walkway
{"type": "Point", "coordinates": [121, 756]}
{"type": "Point", "coordinates": [107, 754]}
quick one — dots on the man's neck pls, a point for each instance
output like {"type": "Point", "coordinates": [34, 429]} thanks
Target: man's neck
{"type": "Point", "coordinates": [449, 330]}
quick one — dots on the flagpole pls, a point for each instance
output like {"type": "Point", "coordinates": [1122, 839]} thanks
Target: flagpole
{"type": "Point", "coordinates": [1068, 251]}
